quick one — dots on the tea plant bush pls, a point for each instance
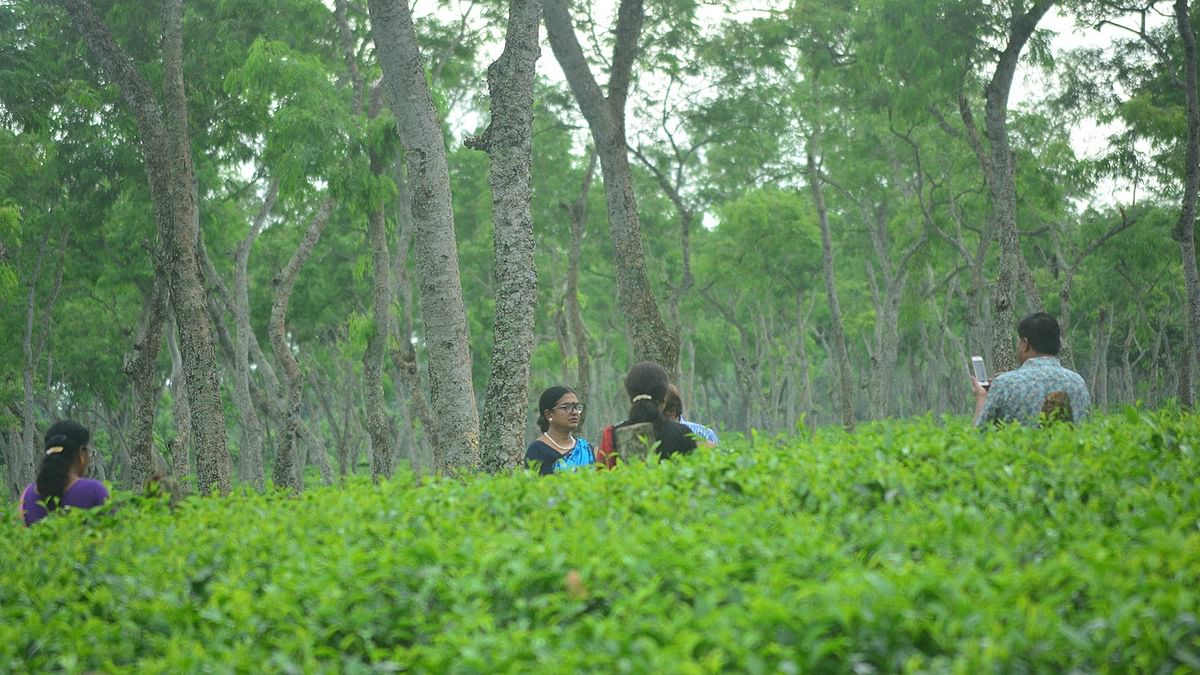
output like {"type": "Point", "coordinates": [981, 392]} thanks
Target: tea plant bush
{"type": "Point", "coordinates": [908, 546]}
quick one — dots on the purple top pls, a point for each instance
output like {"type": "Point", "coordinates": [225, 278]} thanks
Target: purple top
{"type": "Point", "coordinates": [86, 493]}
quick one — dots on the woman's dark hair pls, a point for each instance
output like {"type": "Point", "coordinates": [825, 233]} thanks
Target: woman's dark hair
{"type": "Point", "coordinates": [64, 440]}
{"type": "Point", "coordinates": [547, 401]}
{"type": "Point", "coordinates": [647, 379]}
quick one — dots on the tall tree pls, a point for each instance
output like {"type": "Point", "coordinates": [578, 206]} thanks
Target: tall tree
{"type": "Point", "coordinates": [605, 114]}
{"type": "Point", "coordinates": [452, 391]}
{"type": "Point", "coordinates": [286, 451]}
{"type": "Point", "coordinates": [163, 136]}
{"type": "Point", "coordinates": [141, 367]}
{"type": "Point", "coordinates": [508, 140]}
{"type": "Point", "coordinates": [841, 356]}
{"type": "Point", "coordinates": [999, 171]}
{"type": "Point", "coordinates": [1185, 228]}
{"type": "Point", "coordinates": [250, 426]}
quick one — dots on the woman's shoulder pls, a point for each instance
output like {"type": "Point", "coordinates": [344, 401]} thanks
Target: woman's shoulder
{"type": "Point", "coordinates": [88, 488]}
{"type": "Point", "coordinates": [681, 437]}
{"type": "Point", "coordinates": [540, 450]}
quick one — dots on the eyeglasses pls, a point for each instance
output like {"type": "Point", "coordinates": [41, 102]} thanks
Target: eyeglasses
{"type": "Point", "coordinates": [570, 407]}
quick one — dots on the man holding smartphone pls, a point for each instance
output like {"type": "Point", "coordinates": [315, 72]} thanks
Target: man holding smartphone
{"type": "Point", "coordinates": [1040, 385]}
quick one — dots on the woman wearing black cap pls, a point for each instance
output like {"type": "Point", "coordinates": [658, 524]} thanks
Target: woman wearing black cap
{"type": "Point", "coordinates": [557, 449]}
{"type": "Point", "coordinates": [60, 482]}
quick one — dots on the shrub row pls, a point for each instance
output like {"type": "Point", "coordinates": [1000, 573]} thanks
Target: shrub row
{"type": "Point", "coordinates": [907, 546]}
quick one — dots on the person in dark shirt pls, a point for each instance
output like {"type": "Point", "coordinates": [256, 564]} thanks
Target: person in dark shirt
{"type": "Point", "coordinates": [60, 483]}
{"type": "Point", "coordinates": [557, 449]}
{"type": "Point", "coordinates": [646, 384]}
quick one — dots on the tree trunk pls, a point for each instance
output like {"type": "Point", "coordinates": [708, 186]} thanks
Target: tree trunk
{"type": "Point", "coordinates": [1099, 374]}
{"type": "Point", "coordinates": [23, 466]}
{"type": "Point", "coordinates": [652, 340]}
{"type": "Point", "coordinates": [180, 447]}
{"type": "Point", "coordinates": [404, 354]}
{"type": "Point", "coordinates": [317, 456]}
{"type": "Point", "coordinates": [578, 330]}
{"type": "Point", "coordinates": [378, 426]}
{"type": "Point", "coordinates": [802, 364]}
{"type": "Point", "coordinates": [141, 367]}
{"type": "Point", "coordinates": [282, 473]}
{"type": "Point", "coordinates": [1185, 228]}
{"type": "Point", "coordinates": [845, 402]}
{"type": "Point", "coordinates": [1000, 173]}
{"type": "Point", "coordinates": [250, 427]}
{"type": "Point", "coordinates": [456, 419]}
{"type": "Point", "coordinates": [508, 141]}
{"type": "Point", "coordinates": [1128, 388]}
{"type": "Point", "coordinates": [162, 131]}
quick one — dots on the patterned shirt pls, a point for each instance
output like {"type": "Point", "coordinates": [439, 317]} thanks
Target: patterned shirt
{"type": "Point", "coordinates": [1018, 395]}
{"type": "Point", "coordinates": [700, 430]}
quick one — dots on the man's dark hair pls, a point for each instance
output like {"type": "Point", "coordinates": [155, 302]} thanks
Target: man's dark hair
{"type": "Point", "coordinates": [1042, 332]}
{"type": "Point", "coordinates": [674, 404]}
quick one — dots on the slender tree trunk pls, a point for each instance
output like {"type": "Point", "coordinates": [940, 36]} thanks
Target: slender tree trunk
{"type": "Point", "coordinates": [845, 401]}
{"type": "Point", "coordinates": [1099, 374]}
{"type": "Point", "coordinates": [1000, 172]}
{"type": "Point", "coordinates": [404, 354]}
{"type": "Point", "coordinates": [508, 141]}
{"type": "Point", "coordinates": [1185, 228]}
{"type": "Point", "coordinates": [317, 456]}
{"type": "Point", "coordinates": [652, 340]}
{"type": "Point", "coordinates": [250, 427]}
{"type": "Point", "coordinates": [579, 337]}
{"type": "Point", "coordinates": [378, 425]}
{"type": "Point", "coordinates": [141, 367]}
{"type": "Point", "coordinates": [1128, 389]}
{"type": "Point", "coordinates": [802, 363]}
{"type": "Point", "coordinates": [163, 132]}
{"type": "Point", "coordinates": [456, 420]}
{"type": "Point", "coordinates": [22, 470]}
{"type": "Point", "coordinates": [282, 473]}
{"type": "Point", "coordinates": [180, 447]}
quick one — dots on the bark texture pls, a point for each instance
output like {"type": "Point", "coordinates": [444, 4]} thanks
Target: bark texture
{"type": "Point", "coordinates": [23, 464]}
{"type": "Point", "coordinates": [1185, 228]}
{"type": "Point", "coordinates": [456, 419]}
{"type": "Point", "coordinates": [141, 367]}
{"type": "Point", "coordinates": [166, 150]}
{"type": "Point", "coordinates": [379, 428]}
{"type": "Point", "coordinates": [250, 427]}
{"type": "Point", "coordinates": [845, 405]}
{"type": "Point", "coordinates": [652, 341]}
{"type": "Point", "coordinates": [508, 141]}
{"type": "Point", "coordinates": [179, 447]}
{"type": "Point", "coordinates": [404, 353]}
{"type": "Point", "coordinates": [999, 170]}
{"type": "Point", "coordinates": [283, 473]}
{"type": "Point", "coordinates": [578, 331]}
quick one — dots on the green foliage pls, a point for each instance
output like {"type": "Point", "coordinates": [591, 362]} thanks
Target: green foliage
{"type": "Point", "coordinates": [906, 547]}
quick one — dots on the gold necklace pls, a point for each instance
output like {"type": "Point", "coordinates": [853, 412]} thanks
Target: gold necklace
{"type": "Point", "coordinates": [555, 444]}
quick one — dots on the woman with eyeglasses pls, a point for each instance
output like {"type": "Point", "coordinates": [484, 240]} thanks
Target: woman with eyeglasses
{"type": "Point", "coordinates": [558, 449]}
{"type": "Point", "coordinates": [60, 482]}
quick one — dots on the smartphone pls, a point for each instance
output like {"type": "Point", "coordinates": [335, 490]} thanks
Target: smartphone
{"type": "Point", "coordinates": [980, 371]}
